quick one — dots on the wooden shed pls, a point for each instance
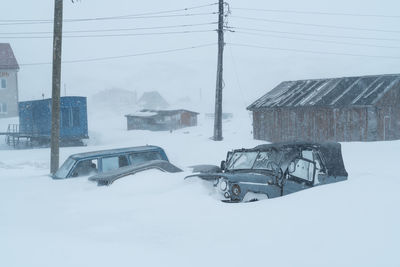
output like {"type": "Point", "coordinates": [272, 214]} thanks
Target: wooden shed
{"type": "Point", "coordinates": [365, 108]}
{"type": "Point", "coordinates": [161, 120]}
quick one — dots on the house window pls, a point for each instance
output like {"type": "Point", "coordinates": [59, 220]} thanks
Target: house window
{"type": "Point", "coordinates": [3, 83]}
{"type": "Point", "coordinates": [3, 108]}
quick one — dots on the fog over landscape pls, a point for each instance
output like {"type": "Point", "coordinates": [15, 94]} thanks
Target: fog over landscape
{"type": "Point", "coordinates": [249, 72]}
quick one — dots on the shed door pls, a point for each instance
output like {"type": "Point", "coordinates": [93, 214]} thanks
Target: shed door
{"type": "Point", "coordinates": [185, 119]}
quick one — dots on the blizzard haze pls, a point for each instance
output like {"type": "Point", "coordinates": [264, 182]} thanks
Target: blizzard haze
{"type": "Point", "coordinates": [160, 219]}
{"type": "Point", "coordinates": [248, 72]}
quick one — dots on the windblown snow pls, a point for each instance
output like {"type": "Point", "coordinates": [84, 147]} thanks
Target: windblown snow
{"type": "Point", "coordinates": [160, 219]}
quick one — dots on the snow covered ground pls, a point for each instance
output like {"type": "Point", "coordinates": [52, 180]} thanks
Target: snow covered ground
{"type": "Point", "coordinates": [158, 219]}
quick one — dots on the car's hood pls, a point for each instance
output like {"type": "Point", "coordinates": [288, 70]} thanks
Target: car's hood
{"type": "Point", "coordinates": [205, 168]}
{"type": "Point", "coordinates": [242, 177]}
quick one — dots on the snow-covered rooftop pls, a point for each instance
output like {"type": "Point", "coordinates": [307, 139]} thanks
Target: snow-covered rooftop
{"type": "Point", "coordinates": [362, 90]}
{"type": "Point", "coordinates": [7, 58]}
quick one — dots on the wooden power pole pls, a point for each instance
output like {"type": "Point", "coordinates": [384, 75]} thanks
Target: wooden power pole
{"type": "Point", "coordinates": [218, 90]}
{"type": "Point", "coordinates": [56, 80]}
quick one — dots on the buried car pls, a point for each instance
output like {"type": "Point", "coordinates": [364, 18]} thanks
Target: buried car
{"type": "Point", "coordinates": [105, 164]}
{"type": "Point", "coordinates": [108, 178]}
{"type": "Point", "coordinates": [274, 170]}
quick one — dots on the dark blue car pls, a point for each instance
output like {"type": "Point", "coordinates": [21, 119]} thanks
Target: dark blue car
{"type": "Point", "coordinates": [106, 161]}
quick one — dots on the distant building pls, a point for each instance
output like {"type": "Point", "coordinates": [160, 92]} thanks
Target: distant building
{"type": "Point", "coordinates": [225, 116]}
{"type": "Point", "coordinates": [8, 82]}
{"type": "Point", "coordinates": [161, 120]}
{"type": "Point", "coordinates": [114, 99]}
{"type": "Point", "coordinates": [365, 108]}
{"type": "Point", "coordinates": [152, 100]}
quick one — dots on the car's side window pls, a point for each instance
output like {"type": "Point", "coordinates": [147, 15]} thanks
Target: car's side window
{"type": "Point", "coordinates": [303, 169]}
{"type": "Point", "coordinates": [112, 163]}
{"type": "Point", "coordinates": [313, 156]}
{"type": "Point", "coordinates": [263, 161]}
{"type": "Point", "coordinates": [85, 167]}
{"type": "Point", "coordinates": [137, 158]}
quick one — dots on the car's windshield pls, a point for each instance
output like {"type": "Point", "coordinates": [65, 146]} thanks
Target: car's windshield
{"type": "Point", "coordinates": [242, 160]}
{"type": "Point", "coordinates": [263, 160]}
{"type": "Point", "coordinates": [65, 168]}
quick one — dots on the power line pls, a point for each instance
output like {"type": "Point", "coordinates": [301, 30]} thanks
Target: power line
{"type": "Point", "coordinates": [107, 35]}
{"type": "Point", "coordinates": [122, 56]}
{"type": "Point", "coordinates": [318, 35]}
{"type": "Point", "coordinates": [144, 17]}
{"type": "Point", "coordinates": [316, 25]}
{"type": "Point", "coordinates": [317, 13]}
{"type": "Point", "coordinates": [117, 29]}
{"type": "Point", "coordinates": [116, 18]}
{"type": "Point", "coordinates": [315, 40]}
{"type": "Point", "coordinates": [311, 51]}
{"type": "Point", "coordinates": [237, 76]}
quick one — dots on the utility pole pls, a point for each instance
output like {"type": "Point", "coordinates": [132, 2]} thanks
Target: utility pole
{"type": "Point", "coordinates": [218, 90]}
{"type": "Point", "coordinates": [56, 80]}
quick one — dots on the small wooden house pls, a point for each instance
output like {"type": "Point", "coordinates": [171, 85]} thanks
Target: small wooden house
{"type": "Point", "coordinates": [161, 120]}
{"type": "Point", "coordinates": [365, 108]}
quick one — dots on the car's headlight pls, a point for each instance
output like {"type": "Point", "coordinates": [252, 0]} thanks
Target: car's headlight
{"type": "Point", "coordinates": [223, 185]}
{"type": "Point", "coordinates": [236, 189]}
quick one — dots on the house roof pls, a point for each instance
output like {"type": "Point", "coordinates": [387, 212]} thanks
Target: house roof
{"type": "Point", "coordinates": [7, 58]}
{"type": "Point", "coordinates": [336, 92]}
{"type": "Point", "coordinates": [153, 113]}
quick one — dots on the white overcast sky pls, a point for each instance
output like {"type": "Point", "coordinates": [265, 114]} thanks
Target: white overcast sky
{"type": "Point", "coordinates": [249, 72]}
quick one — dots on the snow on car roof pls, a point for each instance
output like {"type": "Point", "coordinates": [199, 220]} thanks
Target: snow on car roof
{"type": "Point", "coordinates": [114, 151]}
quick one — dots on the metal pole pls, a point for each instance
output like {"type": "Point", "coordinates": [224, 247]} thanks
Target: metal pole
{"type": "Point", "coordinates": [218, 90]}
{"type": "Point", "coordinates": [55, 103]}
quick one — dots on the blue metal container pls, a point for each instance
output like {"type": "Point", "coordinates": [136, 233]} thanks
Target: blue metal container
{"type": "Point", "coordinates": [35, 119]}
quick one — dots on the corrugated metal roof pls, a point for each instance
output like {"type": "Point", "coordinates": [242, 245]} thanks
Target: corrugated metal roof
{"type": "Point", "coordinates": [347, 91]}
{"type": "Point", "coordinates": [7, 58]}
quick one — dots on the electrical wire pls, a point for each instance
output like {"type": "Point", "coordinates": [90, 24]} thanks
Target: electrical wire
{"type": "Point", "coordinates": [115, 29]}
{"type": "Point", "coordinates": [311, 51]}
{"type": "Point", "coordinates": [318, 35]}
{"type": "Point", "coordinates": [115, 17]}
{"type": "Point", "coordinates": [316, 12]}
{"type": "Point", "coordinates": [122, 56]}
{"type": "Point", "coordinates": [107, 35]}
{"type": "Point", "coordinates": [316, 25]}
{"type": "Point", "coordinates": [102, 19]}
{"type": "Point", "coordinates": [245, 102]}
{"type": "Point", "coordinates": [315, 40]}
